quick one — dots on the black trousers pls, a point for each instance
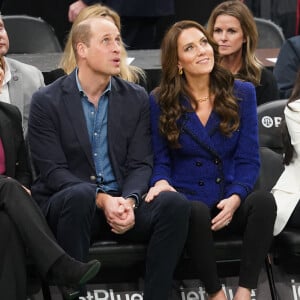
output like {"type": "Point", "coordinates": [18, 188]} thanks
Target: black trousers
{"type": "Point", "coordinates": [254, 220]}
{"type": "Point", "coordinates": [23, 228]}
{"type": "Point", "coordinates": [163, 224]}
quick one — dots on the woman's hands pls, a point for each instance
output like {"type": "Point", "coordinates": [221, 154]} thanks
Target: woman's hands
{"type": "Point", "coordinates": [160, 186]}
{"type": "Point", "coordinates": [227, 209]}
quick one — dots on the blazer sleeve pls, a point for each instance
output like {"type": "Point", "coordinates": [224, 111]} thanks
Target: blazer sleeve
{"type": "Point", "coordinates": [287, 65]}
{"type": "Point", "coordinates": [139, 161]}
{"type": "Point", "coordinates": [246, 156]}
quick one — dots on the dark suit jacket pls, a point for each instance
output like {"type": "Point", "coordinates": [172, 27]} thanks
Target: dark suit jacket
{"type": "Point", "coordinates": [287, 66]}
{"type": "Point", "coordinates": [60, 145]}
{"type": "Point", "coordinates": [11, 134]}
{"type": "Point", "coordinates": [139, 8]}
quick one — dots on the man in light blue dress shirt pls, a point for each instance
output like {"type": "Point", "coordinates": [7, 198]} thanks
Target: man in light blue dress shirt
{"type": "Point", "coordinates": [89, 134]}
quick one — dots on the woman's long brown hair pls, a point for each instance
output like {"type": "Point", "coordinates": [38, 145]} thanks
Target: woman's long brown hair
{"type": "Point", "coordinates": [173, 86]}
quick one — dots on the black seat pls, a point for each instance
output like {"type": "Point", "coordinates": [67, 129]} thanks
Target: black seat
{"type": "Point", "coordinates": [270, 35]}
{"type": "Point", "coordinates": [30, 35]}
{"type": "Point", "coordinates": [270, 115]}
{"type": "Point", "coordinates": [124, 262]}
{"type": "Point", "coordinates": [287, 250]}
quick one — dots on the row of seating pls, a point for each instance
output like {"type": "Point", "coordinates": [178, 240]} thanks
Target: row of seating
{"type": "Point", "coordinates": [33, 35]}
{"type": "Point", "coordinates": [124, 262]}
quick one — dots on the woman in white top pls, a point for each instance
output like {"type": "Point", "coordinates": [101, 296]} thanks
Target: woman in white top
{"type": "Point", "coordinates": [287, 189]}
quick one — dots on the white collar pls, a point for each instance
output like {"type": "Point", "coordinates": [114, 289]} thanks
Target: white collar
{"type": "Point", "coordinates": [7, 74]}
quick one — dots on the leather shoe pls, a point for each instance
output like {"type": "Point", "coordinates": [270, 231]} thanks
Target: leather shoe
{"type": "Point", "coordinates": [69, 293]}
{"type": "Point", "coordinates": [69, 272]}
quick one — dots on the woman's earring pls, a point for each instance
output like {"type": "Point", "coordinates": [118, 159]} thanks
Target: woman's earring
{"type": "Point", "coordinates": [180, 72]}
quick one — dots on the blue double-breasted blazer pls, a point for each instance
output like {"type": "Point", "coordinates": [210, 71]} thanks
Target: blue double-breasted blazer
{"type": "Point", "coordinates": [60, 145]}
{"type": "Point", "coordinates": [209, 166]}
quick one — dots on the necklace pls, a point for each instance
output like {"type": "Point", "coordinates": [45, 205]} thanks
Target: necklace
{"type": "Point", "coordinates": [202, 99]}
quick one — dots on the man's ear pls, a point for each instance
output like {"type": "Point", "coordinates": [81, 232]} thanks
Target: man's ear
{"type": "Point", "coordinates": [81, 49]}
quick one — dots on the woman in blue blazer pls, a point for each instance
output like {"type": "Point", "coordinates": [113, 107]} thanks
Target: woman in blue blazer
{"type": "Point", "coordinates": [205, 140]}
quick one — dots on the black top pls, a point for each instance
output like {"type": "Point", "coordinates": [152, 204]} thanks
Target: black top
{"type": "Point", "coordinates": [267, 90]}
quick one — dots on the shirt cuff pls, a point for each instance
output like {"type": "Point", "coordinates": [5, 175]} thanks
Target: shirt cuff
{"type": "Point", "coordinates": [100, 190]}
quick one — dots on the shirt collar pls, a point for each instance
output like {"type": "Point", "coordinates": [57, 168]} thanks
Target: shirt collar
{"type": "Point", "coordinates": [7, 74]}
{"type": "Point", "coordinates": [81, 91]}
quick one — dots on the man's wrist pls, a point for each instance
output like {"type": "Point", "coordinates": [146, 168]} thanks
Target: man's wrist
{"type": "Point", "coordinates": [101, 198]}
{"type": "Point", "coordinates": [133, 200]}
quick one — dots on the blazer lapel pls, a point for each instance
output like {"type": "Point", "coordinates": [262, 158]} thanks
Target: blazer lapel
{"type": "Point", "coordinates": [72, 101]}
{"type": "Point", "coordinates": [115, 108]}
{"type": "Point", "coordinates": [15, 88]}
{"type": "Point", "coordinates": [199, 133]}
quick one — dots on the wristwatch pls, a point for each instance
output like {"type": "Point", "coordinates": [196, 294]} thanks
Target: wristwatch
{"type": "Point", "coordinates": [135, 202]}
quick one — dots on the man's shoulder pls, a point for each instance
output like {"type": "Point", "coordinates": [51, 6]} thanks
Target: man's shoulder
{"type": "Point", "coordinates": [55, 90]}
{"type": "Point", "coordinates": [16, 65]}
{"type": "Point", "coordinates": [119, 84]}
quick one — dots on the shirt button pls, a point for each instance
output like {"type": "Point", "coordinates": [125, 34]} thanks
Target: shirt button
{"type": "Point", "coordinates": [198, 163]}
{"type": "Point", "coordinates": [201, 183]}
{"type": "Point", "coordinates": [218, 180]}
